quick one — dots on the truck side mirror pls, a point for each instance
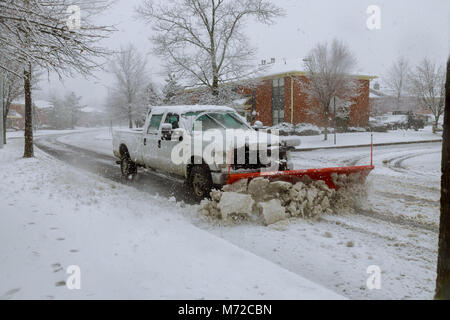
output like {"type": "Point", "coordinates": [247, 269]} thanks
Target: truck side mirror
{"type": "Point", "coordinates": [166, 131]}
{"type": "Point", "coordinates": [258, 125]}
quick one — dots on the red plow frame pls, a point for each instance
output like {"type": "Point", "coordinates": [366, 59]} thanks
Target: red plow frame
{"type": "Point", "coordinates": [324, 174]}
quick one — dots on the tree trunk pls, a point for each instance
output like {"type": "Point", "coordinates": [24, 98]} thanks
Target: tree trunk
{"type": "Point", "coordinates": [5, 115]}
{"type": "Point", "coordinates": [5, 118]}
{"type": "Point", "coordinates": [29, 152]}
{"type": "Point", "coordinates": [130, 116]}
{"type": "Point", "coordinates": [435, 125]}
{"type": "Point", "coordinates": [215, 86]}
{"type": "Point", "coordinates": [443, 266]}
{"type": "Point", "coordinates": [326, 127]}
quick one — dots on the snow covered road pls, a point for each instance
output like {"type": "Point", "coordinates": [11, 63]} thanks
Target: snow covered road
{"type": "Point", "coordinates": [396, 229]}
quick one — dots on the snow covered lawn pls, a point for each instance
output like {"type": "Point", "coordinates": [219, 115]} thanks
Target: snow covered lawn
{"type": "Point", "coordinates": [363, 138]}
{"type": "Point", "coordinates": [40, 133]}
{"type": "Point", "coordinates": [128, 244]}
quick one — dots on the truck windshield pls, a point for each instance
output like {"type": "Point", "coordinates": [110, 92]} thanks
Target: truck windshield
{"type": "Point", "coordinates": [216, 120]}
{"type": "Point", "coordinates": [228, 120]}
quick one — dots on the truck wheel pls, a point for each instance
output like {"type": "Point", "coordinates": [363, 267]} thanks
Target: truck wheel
{"type": "Point", "coordinates": [200, 182]}
{"type": "Point", "coordinates": [128, 167]}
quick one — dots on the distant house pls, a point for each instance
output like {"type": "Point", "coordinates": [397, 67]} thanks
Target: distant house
{"type": "Point", "coordinates": [16, 114]}
{"type": "Point", "coordinates": [383, 101]}
{"type": "Point", "coordinates": [90, 117]}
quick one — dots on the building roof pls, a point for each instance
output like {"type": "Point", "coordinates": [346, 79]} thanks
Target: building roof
{"type": "Point", "coordinates": [40, 104]}
{"type": "Point", "coordinates": [91, 110]}
{"type": "Point", "coordinates": [13, 114]}
{"type": "Point", "coordinates": [284, 68]}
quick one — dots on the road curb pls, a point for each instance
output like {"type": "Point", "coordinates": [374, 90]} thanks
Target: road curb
{"type": "Point", "coordinates": [368, 145]}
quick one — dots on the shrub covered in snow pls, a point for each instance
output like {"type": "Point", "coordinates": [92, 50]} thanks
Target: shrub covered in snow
{"type": "Point", "coordinates": [301, 129]}
{"type": "Point", "coordinates": [356, 129]}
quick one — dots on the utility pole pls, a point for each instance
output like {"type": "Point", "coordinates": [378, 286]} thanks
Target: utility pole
{"type": "Point", "coordinates": [1, 113]}
{"type": "Point", "coordinates": [443, 265]}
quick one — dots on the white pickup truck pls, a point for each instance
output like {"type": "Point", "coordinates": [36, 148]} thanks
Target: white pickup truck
{"type": "Point", "coordinates": [166, 128]}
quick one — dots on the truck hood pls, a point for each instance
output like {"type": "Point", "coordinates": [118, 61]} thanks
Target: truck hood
{"type": "Point", "coordinates": [242, 138]}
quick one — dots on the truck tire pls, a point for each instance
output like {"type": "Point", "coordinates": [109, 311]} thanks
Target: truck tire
{"type": "Point", "coordinates": [128, 167]}
{"type": "Point", "coordinates": [200, 182]}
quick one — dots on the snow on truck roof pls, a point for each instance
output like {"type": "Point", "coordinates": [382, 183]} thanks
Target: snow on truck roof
{"type": "Point", "coordinates": [190, 108]}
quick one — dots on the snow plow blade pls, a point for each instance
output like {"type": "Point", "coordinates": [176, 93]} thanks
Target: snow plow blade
{"type": "Point", "coordinates": [293, 176]}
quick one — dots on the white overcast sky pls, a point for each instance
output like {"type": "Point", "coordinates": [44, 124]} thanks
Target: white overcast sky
{"type": "Point", "coordinates": [411, 28]}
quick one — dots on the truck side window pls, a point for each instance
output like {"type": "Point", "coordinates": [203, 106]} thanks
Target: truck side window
{"type": "Point", "coordinates": [173, 119]}
{"type": "Point", "coordinates": [155, 122]}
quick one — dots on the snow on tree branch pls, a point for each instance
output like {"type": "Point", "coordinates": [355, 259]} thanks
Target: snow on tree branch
{"type": "Point", "coordinates": [203, 40]}
{"type": "Point", "coordinates": [36, 32]}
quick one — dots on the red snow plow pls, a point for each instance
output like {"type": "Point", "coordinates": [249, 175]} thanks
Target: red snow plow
{"type": "Point", "coordinates": [328, 175]}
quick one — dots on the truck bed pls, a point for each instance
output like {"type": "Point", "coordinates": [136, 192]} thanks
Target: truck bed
{"type": "Point", "coordinates": [132, 139]}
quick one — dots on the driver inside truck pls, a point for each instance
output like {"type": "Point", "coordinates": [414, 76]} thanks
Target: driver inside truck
{"type": "Point", "coordinates": [173, 119]}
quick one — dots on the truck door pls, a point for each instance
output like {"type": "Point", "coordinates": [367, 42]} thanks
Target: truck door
{"type": "Point", "coordinates": [167, 145]}
{"type": "Point", "coordinates": [151, 136]}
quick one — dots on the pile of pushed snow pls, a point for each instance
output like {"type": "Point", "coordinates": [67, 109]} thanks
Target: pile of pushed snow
{"type": "Point", "coordinates": [261, 200]}
{"type": "Point", "coordinates": [350, 193]}
{"type": "Point", "coordinates": [301, 129]}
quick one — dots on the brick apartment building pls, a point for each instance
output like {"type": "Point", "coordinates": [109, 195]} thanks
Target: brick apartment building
{"type": "Point", "coordinates": [278, 98]}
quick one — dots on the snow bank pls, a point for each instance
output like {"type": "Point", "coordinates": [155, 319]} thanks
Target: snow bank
{"type": "Point", "coordinates": [363, 138]}
{"type": "Point", "coordinates": [269, 202]}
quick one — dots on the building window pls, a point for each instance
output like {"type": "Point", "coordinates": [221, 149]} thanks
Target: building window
{"type": "Point", "coordinates": [277, 101]}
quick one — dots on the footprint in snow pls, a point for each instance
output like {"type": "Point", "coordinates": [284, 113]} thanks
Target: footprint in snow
{"type": "Point", "coordinates": [57, 267]}
{"type": "Point", "coordinates": [12, 292]}
{"type": "Point", "coordinates": [60, 283]}
{"type": "Point", "coordinates": [60, 239]}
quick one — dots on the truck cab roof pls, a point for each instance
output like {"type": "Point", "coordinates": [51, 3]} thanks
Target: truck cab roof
{"type": "Point", "coordinates": [191, 108]}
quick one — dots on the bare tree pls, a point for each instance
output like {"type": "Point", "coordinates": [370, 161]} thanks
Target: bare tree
{"type": "Point", "coordinates": [12, 90]}
{"type": "Point", "coordinates": [129, 68]}
{"type": "Point", "coordinates": [37, 33]}
{"type": "Point", "coordinates": [328, 76]}
{"type": "Point", "coordinates": [203, 40]}
{"type": "Point", "coordinates": [443, 266]}
{"type": "Point", "coordinates": [427, 83]}
{"type": "Point", "coordinates": [397, 77]}
{"type": "Point", "coordinates": [115, 104]}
